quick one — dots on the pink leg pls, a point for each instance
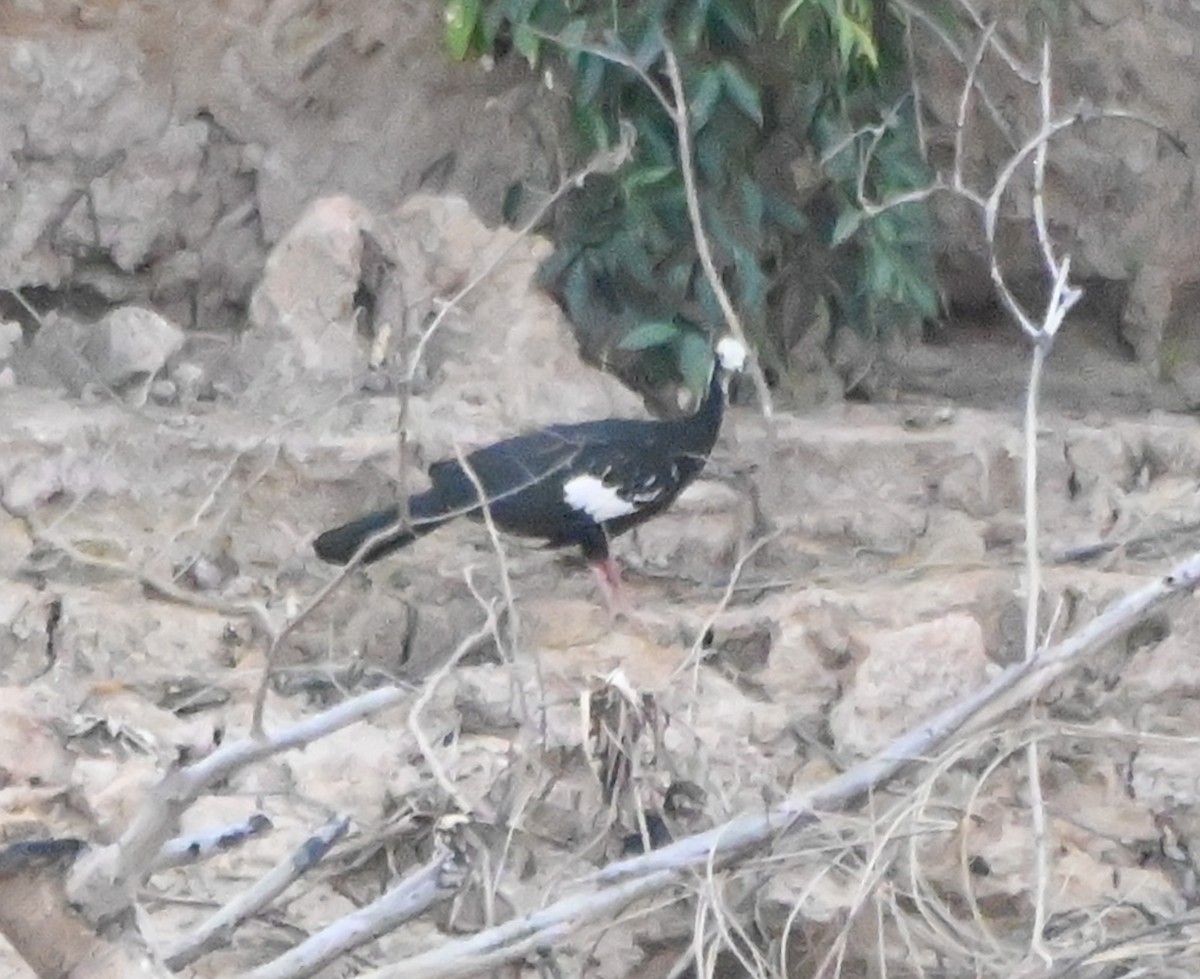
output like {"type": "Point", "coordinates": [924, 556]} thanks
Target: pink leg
{"type": "Point", "coordinates": [609, 577]}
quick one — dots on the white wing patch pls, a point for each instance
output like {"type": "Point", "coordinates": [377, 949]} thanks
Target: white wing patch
{"type": "Point", "coordinates": [597, 500]}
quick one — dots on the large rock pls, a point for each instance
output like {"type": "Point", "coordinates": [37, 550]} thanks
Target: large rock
{"type": "Point", "coordinates": [905, 677]}
{"type": "Point", "coordinates": [504, 359]}
{"type": "Point", "coordinates": [302, 315]}
{"type": "Point", "coordinates": [162, 151]}
{"type": "Point", "coordinates": [130, 345]}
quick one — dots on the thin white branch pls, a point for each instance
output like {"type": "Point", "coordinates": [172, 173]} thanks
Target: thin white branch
{"type": "Point", "coordinates": [1033, 603]}
{"type": "Point", "coordinates": [424, 745]}
{"type": "Point", "coordinates": [435, 881]}
{"type": "Point", "coordinates": [485, 508]}
{"type": "Point", "coordinates": [468, 956]}
{"type": "Point", "coordinates": [636, 877]}
{"type": "Point", "coordinates": [964, 101]}
{"type": "Point", "coordinates": [1015, 65]}
{"type": "Point", "coordinates": [1039, 165]}
{"type": "Point", "coordinates": [916, 13]}
{"type": "Point", "coordinates": [217, 931]}
{"type": "Point", "coordinates": [992, 209]}
{"type": "Point", "coordinates": [1017, 684]}
{"type": "Point", "coordinates": [679, 118]}
{"type": "Point", "coordinates": [195, 847]}
{"type": "Point", "coordinates": [695, 655]}
{"type": "Point", "coordinates": [104, 881]}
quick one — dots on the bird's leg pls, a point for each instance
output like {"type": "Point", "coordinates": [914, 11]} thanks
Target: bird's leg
{"type": "Point", "coordinates": [608, 574]}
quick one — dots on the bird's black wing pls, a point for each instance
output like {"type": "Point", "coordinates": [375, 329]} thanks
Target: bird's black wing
{"type": "Point", "coordinates": [626, 470]}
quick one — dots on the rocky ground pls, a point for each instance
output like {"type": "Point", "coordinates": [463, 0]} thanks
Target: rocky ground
{"type": "Point", "coordinates": [161, 483]}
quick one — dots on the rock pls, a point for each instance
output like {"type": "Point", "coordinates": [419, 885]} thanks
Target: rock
{"type": "Point", "coordinates": [10, 337]}
{"type": "Point", "coordinates": [188, 378]}
{"type": "Point", "coordinates": [698, 537]}
{"type": "Point", "coordinates": [475, 389]}
{"type": "Point", "coordinates": [26, 615]}
{"type": "Point", "coordinates": [36, 768]}
{"type": "Point", "coordinates": [162, 149]}
{"type": "Point", "coordinates": [806, 664]}
{"type": "Point", "coordinates": [131, 345]}
{"type": "Point", "coordinates": [54, 357]}
{"type": "Point", "coordinates": [469, 390]}
{"type": "Point", "coordinates": [906, 675]}
{"type": "Point", "coordinates": [302, 314]}
{"type": "Point", "coordinates": [163, 392]}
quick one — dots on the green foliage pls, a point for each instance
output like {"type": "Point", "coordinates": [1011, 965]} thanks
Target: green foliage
{"type": "Point", "coordinates": [690, 350]}
{"type": "Point", "coordinates": [820, 70]}
{"type": "Point", "coordinates": [890, 280]}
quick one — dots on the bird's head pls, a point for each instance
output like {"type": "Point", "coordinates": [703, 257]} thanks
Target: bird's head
{"type": "Point", "coordinates": [730, 355]}
{"type": "Point", "coordinates": [729, 358]}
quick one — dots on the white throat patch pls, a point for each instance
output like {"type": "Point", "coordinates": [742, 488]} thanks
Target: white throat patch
{"type": "Point", "coordinates": [731, 354]}
{"type": "Point", "coordinates": [598, 500]}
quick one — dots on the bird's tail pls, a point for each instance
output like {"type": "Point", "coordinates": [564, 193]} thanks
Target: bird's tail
{"type": "Point", "coordinates": [339, 545]}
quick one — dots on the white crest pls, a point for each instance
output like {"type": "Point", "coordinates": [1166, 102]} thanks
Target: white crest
{"type": "Point", "coordinates": [598, 500]}
{"type": "Point", "coordinates": [731, 354]}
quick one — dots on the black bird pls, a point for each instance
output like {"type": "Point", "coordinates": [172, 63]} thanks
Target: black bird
{"type": "Point", "coordinates": [566, 484]}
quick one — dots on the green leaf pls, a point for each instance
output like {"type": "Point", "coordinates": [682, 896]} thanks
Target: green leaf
{"type": "Point", "coordinates": [571, 38]}
{"type": "Point", "coordinates": [709, 304]}
{"type": "Point", "coordinates": [590, 76]}
{"type": "Point", "coordinates": [753, 204]}
{"type": "Point", "coordinates": [695, 361]}
{"type": "Point", "coordinates": [741, 92]}
{"type": "Point", "coordinates": [648, 50]}
{"type": "Point", "coordinates": [646, 335]}
{"type": "Point", "coordinates": [853, 39]}
{"type": "Point", "coordinates": [462, 17]}
{"type": "Point", "coordinates": [784, 213]}
{"type": "Point", "coordinates": [527, 43]}
{"type": "Point", "coordinates": [692, 24]}
{"type": "Point", "coordinates": [590, 122]}
{"type": "Point", "coordinates": [752, 284]}
{"type": "Point", "coordinates": [511, 205]}
{"type": "Point", "coordinates": [705, 99]}
{"type": "Point", "coordinates": [678, 276]}
{"type": "Point", "coordinates": [711, 156]}
{"type": "Point", "coordinates": [732, 14]}
{"type": "Point", "coordinates": [848, 222]}
{"type": "Point", "coordinates": [789, 12]}
{"type": "Point", "coordinates": [646, 176]}
{"type": "Point", "coordinates": [924, 296]}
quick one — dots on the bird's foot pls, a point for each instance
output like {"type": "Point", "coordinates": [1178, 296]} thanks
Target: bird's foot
{"type": "Point", "coordinates": [608, 575]}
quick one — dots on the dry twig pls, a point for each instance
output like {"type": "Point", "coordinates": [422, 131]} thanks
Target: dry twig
{"type": "Point", "coordinates": [196, 847]}
{"type": "Point", "coordinates": [104, 882]}
{"type": "Point", "coordinates": [217, 931]}
{"type": "Point", "coordinates": [629, 879]}
{"type": "Point", "coordinates": [435, 881]}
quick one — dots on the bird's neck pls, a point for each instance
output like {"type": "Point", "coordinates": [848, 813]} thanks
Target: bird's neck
{"type": "Point", "coordinates": [706, 420]}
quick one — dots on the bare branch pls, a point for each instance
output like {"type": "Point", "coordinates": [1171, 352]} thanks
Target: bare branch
{"type": "Point", "coordinates": [679, 117]}
{"type": "Point", "coordinates": [104, 881]}
{"type": "Point", "coordinates": [627, 880]}
{"type": "Point", "coordinates": [435, 881]}
{"type": "Point", "coordinates": [503, 943]}
{"type": "Point", "coordinates": [1039, 164]}
{"type": "Point", "coordinates": [964, 101]}
{"type": "Point", "coordinates": [466, 807]}
{"type": "Point", "coordinates": [913, 12]}
{"type": "Point", "coordinates": [217, 931]}
{"type": "Point", "coordinates": [196, 847]}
